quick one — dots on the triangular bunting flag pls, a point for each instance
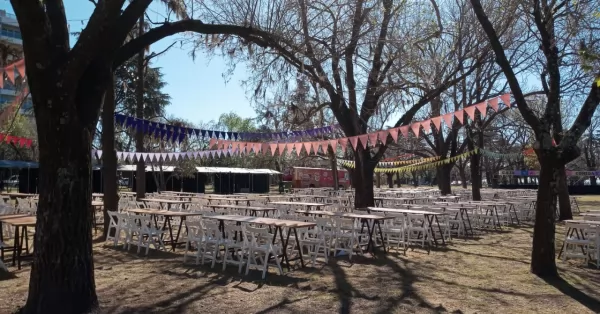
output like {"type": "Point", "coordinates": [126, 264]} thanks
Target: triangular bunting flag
{"type": "Point", "coordinates": [416, 128]}
{"type": "Point", "coordinates": [506, 99]}
{"type": "Point", "coordinates": [307, 147]}
{"type": "Point", "coordinates": [470, 112]}
{"type": "Point", "coordinates": [460, 115]}
{"type": "Point", "coordinates": [333, 144]}
{"type": "Point", "coordinates": [273, 147]}
{"type": "Point", "coordinates": [404, 131]}
{"type": "Point", "coordinates": [298, 148]}
{"type": "Point", "coordinates": [482, 108]}
{"type": "Point", "coordinates": [426, 125]}
{"type": "Point", "coordinates": [448, 119]}
{"type": "Point", "coordinates": [437, 122]}
{"type": "Point", "coordinates": [10, 73]}
{"type": "Point", "coordinates": [363, 140]}
{"type": "Point", "coordinates": [394, 134]}
{"type": "Point", "coordinates": [383, 136]}
{"type": "Point", "coordinates": [315, 147]}
{"type": "Point", "coordinates": [494, 103]}
{"type": "Point", "coordinates": [353, 141]}
{"type": "Point", "coordinates": [289, 147]}
{"type": "Point", "coordinates": [281, 148]}
{"type": "Point", "coordinates": [343, 144]}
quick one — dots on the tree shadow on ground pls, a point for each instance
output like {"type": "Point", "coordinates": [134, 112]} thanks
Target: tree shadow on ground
{"type": "Point", "coordinates": [576, 294]}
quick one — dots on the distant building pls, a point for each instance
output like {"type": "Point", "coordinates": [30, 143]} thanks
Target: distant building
{"type": "Point", "coordinates": [10, 39]}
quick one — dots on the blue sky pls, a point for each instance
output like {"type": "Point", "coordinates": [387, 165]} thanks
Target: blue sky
{"type": "Point", "coordinates": [198, 90]}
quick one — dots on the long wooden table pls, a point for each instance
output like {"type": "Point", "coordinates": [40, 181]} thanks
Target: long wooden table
{"type": "Point", "coordinates": [307, 205]}
{"type": "Point", "coordinates": [235, 200]}
{"type": "Point", "coordinates": [254, 210]}
{"type": "Point", "coordinates": [164, 201]}
{"type": "Point", "coordinates": [21, 222]}
{"type": "Point", "coordinates": [278, 224]}
{"type": "Point", "coordinates": [428, 215]}
{"type": "Point", "coordinates": [368, 220]}
{"type": "Point", "coordinates": [169, 215]}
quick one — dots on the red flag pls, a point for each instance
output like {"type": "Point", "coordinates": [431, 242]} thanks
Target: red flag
{"type": "Point", "coordinates": [343, 144]}
{"type": "Point", "coordinates": [471, 112]}
{"type": "Point", "coordinates": [416, 127]}
{"type": "Point", "coordinates": [298, 148]}
{"type": "Point", "coordinates": [506, 99]}
{"type": "Point", "coordinates": [363, 140]}
{"type": "Point", "coordinates": [307, 147]}
{"type": "Point", "coordinates": [448, 119]}
{"type": "Point", "coordinates": [394, 134]}
{"type": "Point", "coordinates": [21, 142]}
{"type": "Point", "coordinates": [482, 107]}
{"type": "Point", "coordinates": [315, 147]}
{"type": "Point", "coordinates": [437, 121]}
{"type": "Point", "coordinates": [273, 148]}
{"type": "Point", "coordinates": [494, 103]}
{"type": "Point", "coordinates": [28, 143]}
{"type": "Point", "coordinates": [404, 130]}
{"type": "Point", "coordinates": [333, 144]}
{"type": "Point", "coordinates": [353, 142]}
{"type": "Point", "coordinates": [426, 125]}
{"type": "Point", "coordinates": [8, 139]}
{"type": "Point", "coordinates": [281, 148]}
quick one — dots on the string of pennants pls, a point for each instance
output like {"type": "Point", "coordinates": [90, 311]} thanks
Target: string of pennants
{"type": "Point", "coordinates": [19, 66]}
{"type": "Point", "coordinates": [387, 164]}
{"type": "Point", "coordinates": [17, 140]}
{"type": "Point", "coordinates": [423, 164]}
{"type": "Point", "coordinates": [369, 139]}
{"type": "Point", "coordinates": [166, 157]}
{"type": "Point", "coordinates": [175, 133]}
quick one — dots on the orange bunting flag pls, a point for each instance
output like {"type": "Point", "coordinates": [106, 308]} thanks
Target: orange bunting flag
{"type": "Point", "coordinates": [383, 136]}
{"type": "Point", "coordinates": [482, 107]}
{"type": "Point", "coordinates": [315, 147]}
{"type": "Point", "coordinates": [21, 67]}
{"type": "Point", "coordinates": [298, 148]}
{"type": "Point", "coordinates": [273, 148]}
{"type": "Point", "coordinates": [373, 139]}
{"type": "Point", "coordinates": [437, 121]}
{"type": "Point", "coordinates": [416, 127]}
{"type": "Point", "coordinates": [343, 144]}
{"type": "Point", "coordinates": [404, 130]}
{"type": "Point", "coordinates": [448, 119]}
{"type": "Point", "coordinates": [333, 144]}
{"type": "Point", "coordinates": [494, 103]}
{"type": "Point", "coordinates": [307, 147]}
{"type": "Point", "coordinates": [460, 115]}
{"type": "Point", "coordinates": [363, 140]}
{"type": "Point", "coordinates": [426, 125]}
{"type": "Point", "coordinates": [506, 99]}
{"type": "Point", "coordinates": [354, 141]}
{"type": "Point", "coordinates": [394, 134]}
{"type": "Point", "coordinates": [470, 112]}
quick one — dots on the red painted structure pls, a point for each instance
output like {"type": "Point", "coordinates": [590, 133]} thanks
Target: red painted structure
{"type": "Point", "coordinates": [302, 177]}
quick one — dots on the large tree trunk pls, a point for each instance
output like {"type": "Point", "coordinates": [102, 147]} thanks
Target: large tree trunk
{"type": "Point", "coordinates": [139, 113]}
{"type": "Point", "coordinates": [334, 169]}
{"type": "Point", "coordinates": [444, 180]}
{"type": "Point", "coordinates": [62, 274]}
{"type": "Point", "coordinates": [542, 255]}
{"type": "Point", "coordinates": [362, 177]}
{"type": "Point", "coordinates": [564, 202]}
{"type": "Point", "coordinates": [463, 176]}
{"type": "Point", "coordinates": [109, 156]}
{"type": "Point", "coordinates": [475, 171]}
{"type": "Point", "coordinates": [593, 180]}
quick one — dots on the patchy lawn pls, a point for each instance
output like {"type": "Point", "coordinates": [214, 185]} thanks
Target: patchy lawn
{"type": "Point", "coordinates": [487, 274]}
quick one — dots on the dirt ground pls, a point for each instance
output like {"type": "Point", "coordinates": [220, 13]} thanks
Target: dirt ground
{"type": "Point", "coordinates": [489, 273]}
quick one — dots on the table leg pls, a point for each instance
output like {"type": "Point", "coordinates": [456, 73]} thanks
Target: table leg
{"type": "Point", "coordinates": [299, 247]}
{"type": "Point", "coordinates": [181, 219]}
{"type": "Point", "coordinates": [381, 235]}
{"type": "Point", "coordinates": [429, 219]}
{"type": "Point", "coordinates": [284, 247]}
{"type": "Point", "coordinates": [440, 229]}
{"type": "Point", "coordinates": [370, 229]}
{"type": "Point", "coordinates": [15, 244]}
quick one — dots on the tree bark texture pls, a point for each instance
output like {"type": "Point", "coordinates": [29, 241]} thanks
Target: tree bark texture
{"type": "Point", "coordinates": [444, 180]}
{"type": "Point", "coordinates": [109, 156]}
{"type": "Point", "coordinates": [62, 274]}
{"type": "Point", "coordinates": [564, 201]}
{"type": "Point", "coordinates": [140, 171]}
{"type": "Point", "coordinates": [334, 169]}
{"type": "Point", "coordinates": [475, 165]}
{"type": "Point", "coordinates": [362, 178]}
{"type": "Point", "coordinates": [390, 180]}
{"type": "Point", "coordinates": [542, 255]}
{"type": "Point", "coordinates": [463, 176]}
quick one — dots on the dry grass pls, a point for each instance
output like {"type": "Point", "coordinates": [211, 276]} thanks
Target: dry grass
{"type": "Point", "coordinates": [486, 274]}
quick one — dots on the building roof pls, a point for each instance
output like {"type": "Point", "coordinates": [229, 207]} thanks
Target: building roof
{"type": "Point", "coordinates": [18, 164]}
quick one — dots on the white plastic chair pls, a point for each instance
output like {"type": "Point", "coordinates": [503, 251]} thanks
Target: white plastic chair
{"type": "Point", "coordinates": [260, 249]}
